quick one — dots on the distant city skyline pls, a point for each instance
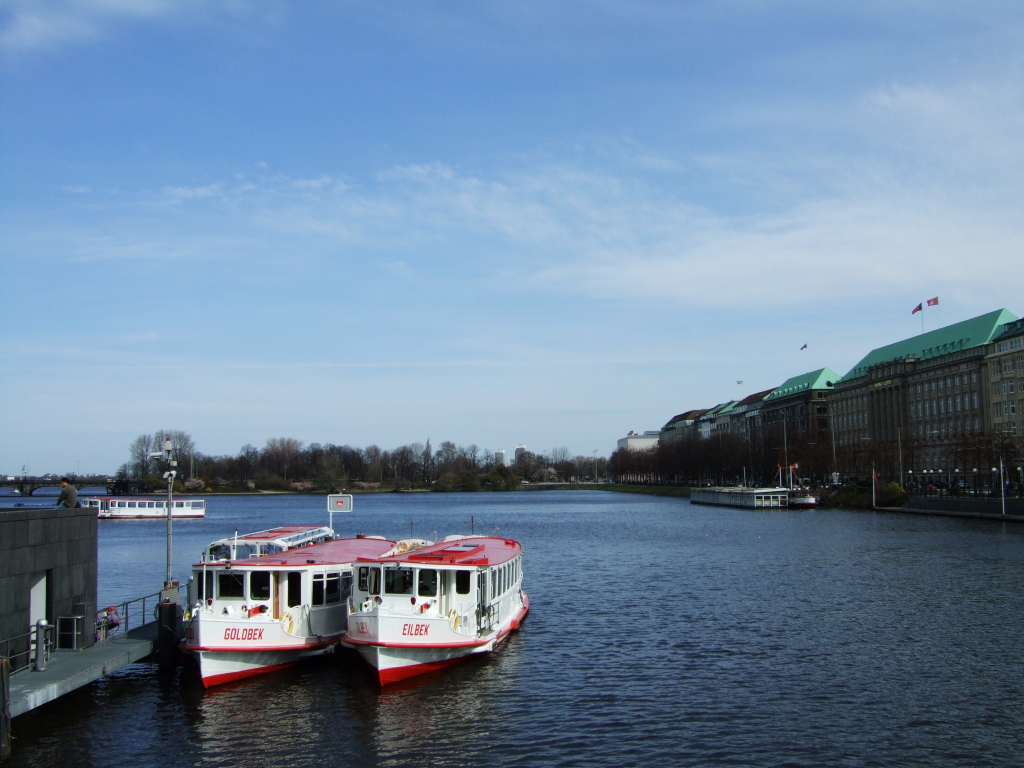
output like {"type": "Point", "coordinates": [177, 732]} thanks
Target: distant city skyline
{"type": "Point", "coordinates": [249, 222]}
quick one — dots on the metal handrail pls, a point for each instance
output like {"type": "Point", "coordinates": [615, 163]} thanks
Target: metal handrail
{"type": "Point", "coordinates": [122, 617]}
{"type": "Point", "coordinates": [29, 637]}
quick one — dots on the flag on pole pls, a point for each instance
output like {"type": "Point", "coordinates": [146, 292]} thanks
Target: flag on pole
{"type": "Point", "coordinates": [933, 302]}
{"type": "Point", "coordinates": [803, 347]}
{"type": "Point", "coordinates": [917, 309]}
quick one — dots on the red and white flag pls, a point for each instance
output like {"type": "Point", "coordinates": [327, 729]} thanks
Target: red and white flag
{"type": "Point", "coordinates": [917, 309]}
{"type": "Point", "coordinates": [933, 302]}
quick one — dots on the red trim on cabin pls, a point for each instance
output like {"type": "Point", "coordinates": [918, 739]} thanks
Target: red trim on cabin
{"type": "Point", "coordinates": [462, 644]}
{"type": "Point", "coordinates": [227, 677]}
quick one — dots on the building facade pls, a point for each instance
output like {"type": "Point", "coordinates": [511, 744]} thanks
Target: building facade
{"type": "Point", "coordinates": [637, 442]}
{"type": "Point", "coordinates": [800, 405]}
{"type": "Point", "coordinates": [918, 405]}
{"type": "Point", "coordinates": [1004, 394]}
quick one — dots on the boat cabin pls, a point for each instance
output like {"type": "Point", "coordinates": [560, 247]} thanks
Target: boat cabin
{"type": "Point", "coordinates": [311, 584]}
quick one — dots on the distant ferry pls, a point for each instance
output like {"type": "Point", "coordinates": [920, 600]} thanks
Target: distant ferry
{"type": "Point", "coordinates": [747, 498]}
{"type": "Point", "coordinates": [148, 509]}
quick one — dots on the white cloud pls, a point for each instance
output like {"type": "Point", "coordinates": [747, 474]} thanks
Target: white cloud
{"type": "Point", "coordinates": [29, 25]}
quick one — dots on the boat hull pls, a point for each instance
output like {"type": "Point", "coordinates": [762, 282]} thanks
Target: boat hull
{"type": "Point", "coordinates": [217, 667]}
{"type": "Point", "coordinates": [399, 661]}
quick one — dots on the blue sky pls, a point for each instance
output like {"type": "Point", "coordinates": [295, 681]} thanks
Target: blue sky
{"type": "Point", "coordinates": [494, 223]}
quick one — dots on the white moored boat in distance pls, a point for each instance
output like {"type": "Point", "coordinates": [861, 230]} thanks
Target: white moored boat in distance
{"type": "Point", "coordinates": [254, 615]}
{"type": "Point", "coordinates": [423, 606]}
{"type": "Point", "coordinates": [110, 508]}
{"type": "Point", "coordinates": [268, 542]}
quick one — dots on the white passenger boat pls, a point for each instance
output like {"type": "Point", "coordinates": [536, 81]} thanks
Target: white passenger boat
{"type": "Point", "coordinates": [748, 498]}
{"type": "Point", "coordinates": [268, 542]}
{"type": "Point", "coordinates": [108, 508]}
{"type": "Point", "coordinates": [419, 608]}
{"type": "Point", "coordinates": [258, 614]}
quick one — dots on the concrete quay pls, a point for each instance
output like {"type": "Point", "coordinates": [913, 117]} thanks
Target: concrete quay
{"type": "Point", "coordinates": [979, 509]}
{"type": "Point", "coordinates": [68, 670]}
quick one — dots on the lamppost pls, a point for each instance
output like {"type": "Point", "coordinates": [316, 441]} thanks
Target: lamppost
{"type": "Point", "coordinates": [975, 481]}
{"type": "Point", "coordinates": [172, 470]}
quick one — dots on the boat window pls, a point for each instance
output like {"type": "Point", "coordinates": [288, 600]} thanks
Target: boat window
{"type": "Point", "coordinates": [272, 549]}
{"type": "Point", "coordinates": [426, 585]}
{"type": "Point", "coordinates": [333, 588]}
{"type": "Point", "coordinates": [346, 586]}
{"type": "Point", "coordinates": [397, 581]}
{"type": "Point", "coordinates": [294, 589]}
{"type": "Point", "coordinates": [131, 504]}
{"type": "Point", "coordinates": [362, 578]}
{"type": "Point", "coordinates": [318, 589]}
{"type": "Point", "coordinates": [494, 580]}
{"type": "Point", "coordinates": [208, 586]}
{"type": "Point", "coordinates": [373, 581]}
{"type": "Point", "coordinates": [178, 504]}
{"type": "Point", "coordinates": [259, 585]}
{"type": "Point", "coordinates": [220, 552]}
{"type": "Point", "coordinates": [231, 585]}
{"type": "Point", "coordinates": [462, 582]}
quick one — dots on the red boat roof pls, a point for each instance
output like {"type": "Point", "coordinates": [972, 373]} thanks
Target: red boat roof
{"type": "Point", "coordinates": [477, 550]}
{"type": "Point", "coordinates": [328, 553]}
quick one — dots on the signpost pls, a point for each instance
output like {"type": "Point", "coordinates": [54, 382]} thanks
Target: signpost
{"type": "Point", "coordinates": [338, 502]}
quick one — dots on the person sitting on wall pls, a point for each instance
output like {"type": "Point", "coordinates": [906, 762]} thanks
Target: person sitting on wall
{"type": "Point", "coordinates": [68, 494]}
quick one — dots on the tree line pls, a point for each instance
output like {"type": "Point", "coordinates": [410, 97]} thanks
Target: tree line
{"type": "Point", "coordinates": [287, 464]}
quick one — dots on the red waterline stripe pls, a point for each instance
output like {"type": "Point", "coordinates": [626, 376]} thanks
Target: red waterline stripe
{"type": "Point", "coordinates": [227, 677]}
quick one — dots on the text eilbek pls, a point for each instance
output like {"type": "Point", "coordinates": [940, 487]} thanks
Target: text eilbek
{"type": "Point", "coordinates": [415, 629]}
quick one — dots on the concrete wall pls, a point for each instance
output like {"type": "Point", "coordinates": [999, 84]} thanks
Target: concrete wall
{"type": "Point", "coordinates": [60, 543]}
{"type": "Point", "coordinates": [991, 506]}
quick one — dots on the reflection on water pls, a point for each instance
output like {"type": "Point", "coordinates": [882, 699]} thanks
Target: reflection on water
{"type": "Point", "coordinates": [659, 634]}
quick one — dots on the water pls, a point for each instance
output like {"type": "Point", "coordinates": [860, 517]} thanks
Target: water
{"type": "Point", "coordinates": [659, 634]}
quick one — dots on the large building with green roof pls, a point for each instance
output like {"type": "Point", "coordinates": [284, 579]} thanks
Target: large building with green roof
{"type": "Point", "coordinates": [912, 405]}
{"type": "Point", "coordinates": [800, 404]}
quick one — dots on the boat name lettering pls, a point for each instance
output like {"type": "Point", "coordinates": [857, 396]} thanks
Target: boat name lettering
{"type": "Point", "coordinates": [415, 629]}
{"type": "Point", "coordinates": [249, 633]}
{"type": "Point", "coordinates": [361, 628]}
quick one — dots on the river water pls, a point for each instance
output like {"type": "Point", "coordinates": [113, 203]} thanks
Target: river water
{"type": "Point", "coordinates": [660, 634]}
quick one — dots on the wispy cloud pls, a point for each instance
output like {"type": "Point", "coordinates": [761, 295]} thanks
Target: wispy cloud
{"type": "Point", "coordinates": [31, 25]}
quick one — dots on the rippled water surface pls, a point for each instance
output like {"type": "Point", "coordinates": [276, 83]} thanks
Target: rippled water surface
{"type": "Point", "coordinates": [659, 634]}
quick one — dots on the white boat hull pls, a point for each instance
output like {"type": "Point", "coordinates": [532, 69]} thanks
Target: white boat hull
{"type": "Point", "coordinates": [396, 661]}
{"type": "Point", "coordinates": [232, 649]}
{"type": "Point", "coordinates": [219, 667]}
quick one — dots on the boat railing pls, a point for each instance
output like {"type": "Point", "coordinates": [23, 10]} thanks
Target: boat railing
{"type": "Point", "coordinates": [487, 617]}
{"type": "Point", "coordinates": [463, 611]}
{"type": "Point", "coordinates": [120, 618]}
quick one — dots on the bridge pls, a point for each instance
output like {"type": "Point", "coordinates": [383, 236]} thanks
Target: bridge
{"type": "Point", "coordinates": [27, 486]}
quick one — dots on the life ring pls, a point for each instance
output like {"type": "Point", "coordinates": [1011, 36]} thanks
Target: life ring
{"type": "Point", "coordinates": [288, 623]}
{"type": "Point", "coordinates": [453, 619]}
{"type": "Point", "coordinates": [402, 547]}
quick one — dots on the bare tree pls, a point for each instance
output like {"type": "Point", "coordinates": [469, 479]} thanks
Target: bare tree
{"type": "Point", "coordinates": [139, 459]}
{"type": "Point", "coordinates": [282, 453]}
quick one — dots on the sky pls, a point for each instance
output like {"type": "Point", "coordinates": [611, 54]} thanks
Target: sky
{"type": "Point", "coordinates": [540, 223]}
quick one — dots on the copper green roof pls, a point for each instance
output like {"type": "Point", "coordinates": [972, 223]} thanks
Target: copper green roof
{"type": "Point", "coordinates": [805, 382]}
{"type": "Point", "coordinates": [942, 341]}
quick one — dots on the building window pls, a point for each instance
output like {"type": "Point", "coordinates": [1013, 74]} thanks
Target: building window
{"type": "Point", "coordinates": [974, 377]}
{"type": "Point", "coordinates": [975, 398]}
